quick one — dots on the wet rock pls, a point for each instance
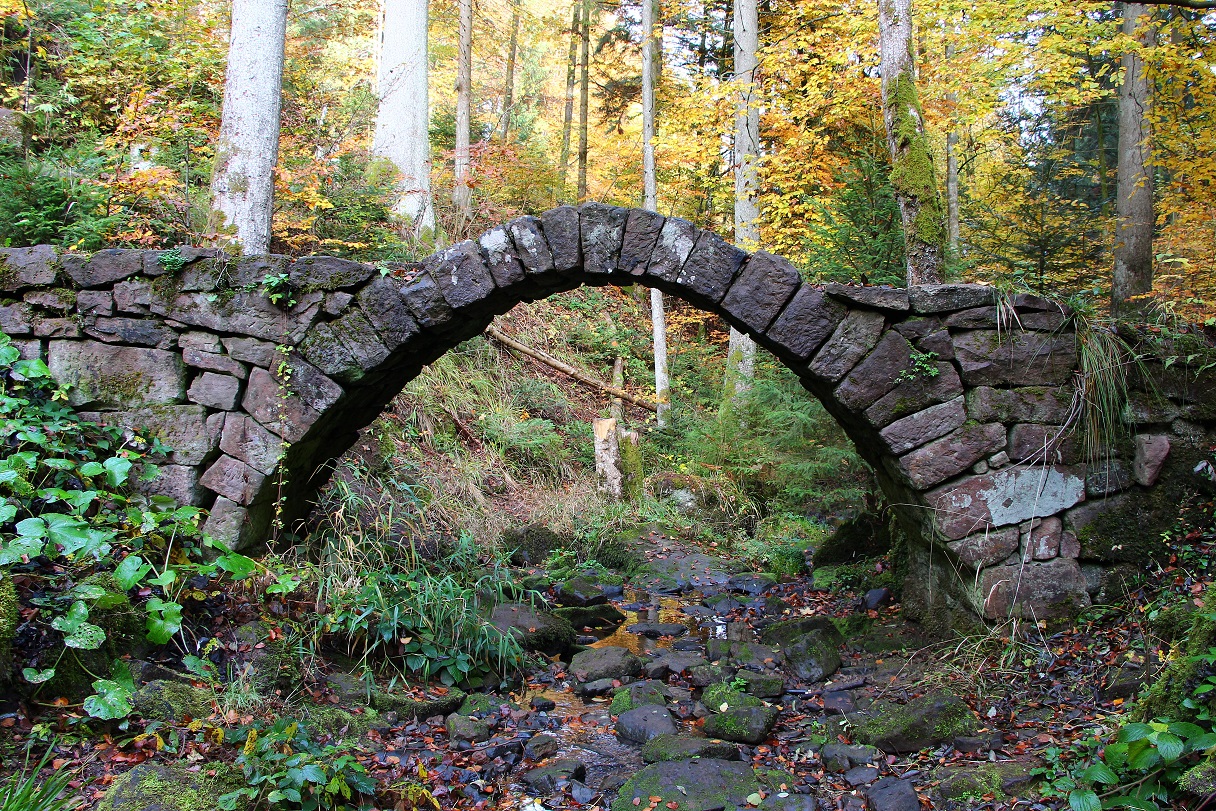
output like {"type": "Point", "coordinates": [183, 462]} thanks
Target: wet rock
{"type": "Point", "coordinates": [892, 794]}
{"type": "Point", "coordinates": [784, 801]}
{"type": "Point", "coordinates": [408, 707]}
{"type": "Point", "coordinates": [541, 704]}
{"type": "Point", "coordinates": [702, 784]}
{"type": "Point", "coordinates": [530, 545]}
{"type": "Point", "coordinates": [934, 718]}
{"type": "Point", "coordinates": [839, 703]}
{"type": "Point", "coordinates": [637, 695]}
{"type": "Point", "coordinates": [541, 746]}
{"type": "Point", "coordinates": [609, 662]}
{"type": "Point", "coordinates": [464, 728]}
{"type": "Point", "coordinates": [749, 725]}
{"type": "Point", "coordinates": [685, 747]}
{"type": "Point", "coordinates": [875, 598]}
{"type": "Point", "coordinates": [581, 793]}
{"type": "Point", "coordinates": [861, 776]}
{"type": "Point", "coordinates": [536, 630]}
{"type": "Point", "coordinates": [705, 675]}
{"type": "Point", "coordinates": [547, 779]}
{"type": "Point", "coordinates": [761, 685]}
{"type": "Point", "coordinates": [814, 656]}
{"type": "Point", "coordinates": [724, 697]}
{"type": "Point", "coordinates": [839, 757]}
{"type": "Point", "coordinates": [722, 603]}
{"type": "Point", "coordinates": [579, 591]}
{"type": "Point", "coordinates": [602, 617]}
{"type": "Point", "coordinates": [598, 687]}
{"type": "Point", "coordinates": [654, 630]}
{"type": "Point", "coordinates": [753, 583]}
{"type": "Point", "coordinates": [666, 662]}
{"type": "Point", "coordinates": [643, 723]}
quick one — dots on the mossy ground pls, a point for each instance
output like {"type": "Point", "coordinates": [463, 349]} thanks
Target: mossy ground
{"type": "Point", "coordinates": [8, 626]}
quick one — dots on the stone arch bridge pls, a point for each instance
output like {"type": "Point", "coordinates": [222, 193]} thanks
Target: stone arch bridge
{"type": "Point", "coordinates": [956, 402]}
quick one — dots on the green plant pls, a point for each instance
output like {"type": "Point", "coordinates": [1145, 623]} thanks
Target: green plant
{"type": "Point", "coordinates": [28, 790]}
{"type": "Point", "coordinates": [922, 366]}
{"type": "Point", "coordinates": [171, 260]}
{"type": "Point", "coordinates": [277, 287]}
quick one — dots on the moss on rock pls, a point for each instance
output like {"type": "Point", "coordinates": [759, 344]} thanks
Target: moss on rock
{"type": "Point", "coordinates": [933, 718]}
{"type": "Point", "coordinates": [717, 695]}
{"type": "Point", "coordinates": [171, 701]}
{"type": "Point", "coordinates": [335, 721]}
{"type": "Point", "coordinates": [113, 613]}
{"type": "Point", "coordinates": [407, 706]}
{"type": "Point", "coordinates": [171, 787]}
{"type": "Point", "coordinates": [9, 619]}
{"type": "Point", "coordinates": [1177, 682]}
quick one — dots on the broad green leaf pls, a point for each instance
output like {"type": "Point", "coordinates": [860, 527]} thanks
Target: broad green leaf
{"type": "Point", "coordinates": [117, 470]}
{"type": "Point", "coordinates": [31, 369]}
{"type": "Point", "coordinates": [31, 528]}
{"type": "Point", "coordinates": [1100, 773]}
{"type": "Point", "coordinates": [1084, 800]}
{"type": "Point", "coordinates": [112, 701]}
{"type": "Point", "coordinates": [85, 637]}
{"type": "Point", "coordinates": [59, 464]}
{"type": "Point", "coordinates": [7, 513]}
{"type": "Point", "coordinates": [1170, 746]}
{"type": "Point", "coordinates": [164, 620]}
{"type": "Point", "coordinates": [92, 469]}
{"type": "Point", "coordinates": [38, 676]}
{"type": "Point", "coordinates": [18, 548]}
{"type": "Point", "coordinates": [1134, 732]}
{"type": "Point", "coordinates": [237, 565]}
{"type": "Point", "coordinates": [131, 571]}
{"type": "Point", "coordinates": [314, 773]}
{"type": "Point", "coordinates": [163, 579]}
{"type": "Point", "coordinates": [77, 613]}
{"type": "Point", "coordinates": [1184, 730]}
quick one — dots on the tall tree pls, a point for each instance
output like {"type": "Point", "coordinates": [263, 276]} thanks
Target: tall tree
{"type": "Point", "coordinates": [741, 351]}
{"type": "Point", "coordinates": [952, 226]}
{"type": "Point", "coordinates": [584, 86]}
{"type": "Point", "coordinates": [576, 27]}
{"type": "Point", "coordinates": [242, 185]}
{"type": "Point", "coordinates": [462, 191]}
{"type": "Point", "coordinates": [1134, 212]}
{"type": "Point", "coordinates": [509, 90]}
{"type": "Point", "coordinates": [403, 118]}
{"type": "Point", "coordinates": [911, 161]}
{"type": "Point", "coordinates": [658, 314]}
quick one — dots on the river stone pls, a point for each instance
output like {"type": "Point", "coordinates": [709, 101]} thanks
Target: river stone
{"type": "Point", "coordinates": [806, 322]}
{"type": "Point", "coordinates": [701, 784]}
{"type": "Point", "coordinates": [1004, 497]}
{"type": "Point", "coordinates": [663, 748]}
{"type": "Point", "coordinates": [609, 662]}
{"type": "Point", "coordinates": [784, 801]}
{"type": "Point", "coordinates": [638, 694]}
{"type": "Point", "coordinates": [705, 675]}
{"type": "Point", "coordinates": [749, 725]}
{"type": "Point", "coordinates": [761, 685]}
{"type": "Point", "coordinates": [654, 630]}
{"type": "Point", "coordinates": [117, 376]}
{"type": "Point", "coordinates": [814, 656]}
{"type": "Point", "coordinates": [752, 583]}
{"type": "Point", "coordinates": [596, 687]}
{"type": "Point", "coordinates": [541, 746]}
{"type": "Point", "coordinates": [952, 454]}
{"type": "Point", "coordinates": [464, 728]}
{"type": "Point", "coordinates": [667, 661]}
{"type": "Point", "coordinates": [643, 723]}
{"type": "Point", "coordinates": [892, 794]}
{"type": "Point", "coordinates": [160, 786]}
{"type": "Point", "coordinates": [547, 779]}
{"type": "Point", "coordinates": [840, 757]}
{"type": "Point", "coordinates": [603, 617]}
{"type": "Point", "coordinates": [787, 632]}
{"type": "Point", "coordinates": [536, 630]}
{"type": "Point", "coordinates": [934, 718]}
{"type": "Point", "coordinates": [578, 591]}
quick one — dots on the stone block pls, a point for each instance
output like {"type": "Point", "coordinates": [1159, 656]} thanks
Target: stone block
{"type": "Point", "coordinates": [1042, 321]}
{"type": "Point", "coordinates": [1038, 443]}
{"type": "Point", "coordinates": [807, 321]}
{"type": "Point", "coordinates": [939, 344]}
{"type": "Point", "coordinates": [989, 358]}
{"type": "Point", "coordinates": [676, 240]}
{"type": "Point", "coordinates": [1041, 404]}
{"type": "Point", "coordinates": [1042, 540]}
{"type": "Point", "coordinates": [602, 229]}
{"type": "Point", "coordinates": [918, 326]}
{"type": "Point", "coordinates": [877, 374]}
{"type": "Point", "coordinates": [561, 229]}
{"type": "Point", "coordinates": [461, 275]}
{"type": "Point", "coordinates": [30, 350]}
{"type": "Point", "coordinates": [247, 313]}
{"type": "Point", "coordinates": [1070, 546]}
{"type": "Point", "coordinates": [890, 299]}
{"type": "Point", "coordinates": [245, 439]}
{"type": "Point", "coordinates": [345, 349]}
{"type": "Point", "coordinates": [642, 229]}
{"type": "Point", "coordinates": [134, 296]}
{"type": "Point", "coordinates": [137, 331]}
{"type": "Point", "coordinates": [986, 548]}
{"type": "Point", "coordinates": [1151, 453]}
{"type": "Point", "coordinates": [426, 301]}
{"type": "Point", "coordinates": [924, 426]}
{"type": "Point", "coordinates": [533, 250]}
{"type": "Point", "coordinates": [942, 298]}
{"type": "Point", "coordinates": [105, 267]}
{"type": "Point", "coordinates": [227, 523]}
{"type": "Point", "coordinates": [27, 267]}
{"type": "Point", "coordinates": [250, 272]}
{"type": "Point", "coordinates": [975, 318]}
{"type": "Point", "coordinates": [1054, 588]}
{"type": "Point", "coordinates": [215, 391]}
{"type": "Point", "coordinates": [200, 341]}
{"type": "Point", "coordinates": [1144, 409]}
{"type": "Point", "coordinates": [95, 302]}
{"type": "Point", "coordinates": [952, 454]}
{"type": "Point", "coordinates": [336, 303]}
{"type": "Point", "coordinates": [291, 410]}
{"type": "Point", "coordinates": [500, 257]}
{"type": "Point", "coordinates": [710, 269]}
{"type": "Point", "coordinates": [116, 377]}
{"type": "Point", "coordinates": [856, 335]}
{"type": "Point", "coordinates": [178, 482]}
{"type": "Point", "coordinates": [181, 428]}
{"type": "Point", "coordinates": [1029, 301]}
{"type": "Point", "coordinates": [16, 318]}
{"type": "Point", "coordinates": [327, 273]}
{"type": "Point", "coordinates": [55, 327]}
{"type": "Point", "coordinates": [382, 304]}
{"type": "Point", "coordinates": [1004, 497]}
{"type": "Point", "coordinates": [234, 480]}
{"type": "Point", "coordinates": [213, 362]}
{"type": "Point", "coordinates": [1107, 477]}
{"type": "Point", "coordinates": [251, 350]}
{"type": "Point", "coordinates": [54, 299]}
{"type": "Point", "coordinates": [762, 289]}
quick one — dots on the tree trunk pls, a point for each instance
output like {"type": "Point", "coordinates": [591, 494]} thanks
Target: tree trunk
{"type": "Point", "coordinates": [609, 477]}
{"type": "Point", "coordinates": [509, 92]}
{"type": "Point", "coordinates": [952, 230]}
{"type": "Point", "coordinates": [616, 406]}
{"type": "Point", "coordinates": [403, 119]}
{"type": "Point", "coordinates": [1134, 218]}
{"type": "Point", "coordinates": [242, 185]}
{"type": "Point", "coordinates": [741, 352]}
{"type": "Point", "coordinates": [658, 312]}
{"type": "Point", "coordinates": [584, 85]}
{"type": "Point", "coordinates": [912, 173]}
{"type": "Point", "coordinates": [462, 192]}
{"type": "Point", "coordinates": [563, 164]}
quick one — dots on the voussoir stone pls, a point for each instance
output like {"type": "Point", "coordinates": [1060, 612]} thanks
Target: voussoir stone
{"type": "Point", "coordinates": [891, 299]}
{"type": "Point", "coordinates": [111, 376]}
{"type": "Point", "coordinates": [642, 229]}
{"type": "Point", "coordinates": [381, 303]}
{"type": "Point", "coordinates": [924, 426]}
{"type": "Point", "coordinates": [877, 374]}
{"type": "Point", "coordinates": [425, 300]}
{"type": "Point", "coordinates": [562, 233]}
{"type": "Point", "coordinates": [328, 273]}
{"type": "Point", "coordinates": [806, 322]}
{"type": "Point", "coordinates": [245, 439]}
{"type": "Point", "coordinates": [676, 240]}
{"type": "Point", "coordinates": [856, 335]}
{"type": "Point", "coordinates": [233, 479]}
{"type": "Point", "coordinates": [940, 298]}
{"type": "Point", "coordinates": [710, 269]}
{"type": "Point", "coordinates": [1004, 497]}
{"type": "Point", "coordinates": [461, 274]}
{"type": "Point", "coordinates": [1042, 404]}
{"type": "Point", "coordinates": [602, 229]}
{"type": "Point", "coordinates": [761, 290]}
{"type": "Point", "coordinates": [533, 250]}
{"type": "Point", "coordinates": [501, 257]}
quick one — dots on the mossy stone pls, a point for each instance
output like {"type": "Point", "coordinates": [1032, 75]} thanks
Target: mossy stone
{"type": "Point", "coordinates": [9, 619]}
{"type": "Point", "coordinates": [1180, 677]}
{"type": "Point", "coordinates": [934, 718]}
{"type": "Point", "coordinates": [972, 784]}
{"type": "Point", "coordinates": [483, 704]}
{"type": "Point", "coordinates": [172, 787]}
{"type": "Point", "coordinates": [407, 706]}
{"type": "Point", "coordinates": [716, 696]}
{"type": "Point", "coordinates": [701, 784]}
{"type": "Point", "coordinates": [684, 747]}
{"type": "Point", "coordinates": [532, 544]}
{"type": "Point", "coordinates": [171, 701]}
{"type": "Point", "coordinates": [597, 617]}
{"type": "Point", "coordinates": [326, 719]}
{"type": "Point", "coordinates": [636, 695]}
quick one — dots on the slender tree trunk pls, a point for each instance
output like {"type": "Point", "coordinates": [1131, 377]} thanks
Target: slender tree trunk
{"type": "Point", "coordinates": [741, 351]}
{"type": "Point", "coordinates": [584, 86]}
{"type": "Point", "coordinates": [462, 192]}
{"type": "Point", "coordinates": [952, 231]}
{"type": "Point", "coordinates": [509, 91]}
{"type": "Point", "coordinates": [651, 46]}
{"type": "Point", "coordinates": [403, 119]}
{"type": "Point", "coordinates": [563, 164]}
{"type": "Point", "coordinates": [911, 162]}
{"type": "Point", "coordinates": [1134, 216]}
{"type": "Point", "coordinates": [242, 185]}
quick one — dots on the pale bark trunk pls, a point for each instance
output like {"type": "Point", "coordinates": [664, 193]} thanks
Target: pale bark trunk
{"type": "Point", "coordinates": [584, 87]}
{"type": "Point", "coordinates": [741, 352]}
{"type": "Point", "coordinates": [1134, 215]}
{"type": "Point", "coordinates": [616, 406]}
{"type": "Point", "coordinates": [609, 477]}
{"type": "Point", "coordinates": [952, 229]}
{"type": "Point", "coordinates": [242, 185]}
{"type": "Point", "coordinates": [911, 161]}
{"type": "Point", "coordinates": [462, 192]}
{"type": "Point", "coordinates": [403, 120]}
{"type": "Point", "coordinates": [509, 92]}
{"type": "Point", "coordinates": [563, 165]}
{"type": "Point", "coordinates": [658, 313]}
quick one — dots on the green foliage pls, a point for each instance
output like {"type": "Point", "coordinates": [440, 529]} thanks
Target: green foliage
{"type": "Point", "coordinates": [28, 790]}
{"type": "Point", "coordinates": [286, 769]}
{"type": "Point", "coordinates": [923, 365]}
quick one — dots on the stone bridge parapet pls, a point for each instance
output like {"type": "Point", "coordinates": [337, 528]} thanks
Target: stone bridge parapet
{"type": "Point", "coordinates": [964, 402]}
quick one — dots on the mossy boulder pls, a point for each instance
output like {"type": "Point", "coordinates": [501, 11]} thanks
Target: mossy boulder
{"type": "Point", "coordinates": [9, 619]}
{"type": "Point", "coordinates": [596, 618]}
{"type": "Point", "coordinates": [723, 697]}
{"type": "Point", "coordinates": [685, 747]}
{"type": "Point", "coordinates": [535, 630]}
{"type": "Point", "coordinates": [171, 787]}
{"type": "Point", "coordinates": [749, 725]}
{"type": "Point", "coordinates": [702, 784]}
{"type": "Point", "coordinates": [811, 645]}
{"type": "Point", "coordinates": [407, 706]}
{"type": "Point", "coordinates": [934, 718]}
{"type": "Point", "coordinates": [609, 662]}
{"type": "Point", "coordinates": [125, 635]}
{"type": "Point", "coordinates": [482, 704]}
{"type": "Point", "coordinates": [466, 728]}
{"type": "Point", "coordinates": [172, 701]}
{"type": "Point", "coordinates": [581, 590]}
{"type": "Point", "coordinates": [532, 544]}
{"type": "Point", "coordinates": [1184, 672]}
{"type": "Point", "coordinates": [761, 685]}
{"type": "Point", "coordinates": [326, 719]}
{"type": "Point", "coordinates": [636, 695]}
{"type": "Point", "coordinates": [788, 631]}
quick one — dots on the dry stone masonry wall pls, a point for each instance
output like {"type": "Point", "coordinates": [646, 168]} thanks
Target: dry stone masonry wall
{"type": "Point", "coordinates": [961, 406]}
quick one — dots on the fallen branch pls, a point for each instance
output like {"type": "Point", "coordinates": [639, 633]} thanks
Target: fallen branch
{"type": "Point", "coordinates": [567, 369]}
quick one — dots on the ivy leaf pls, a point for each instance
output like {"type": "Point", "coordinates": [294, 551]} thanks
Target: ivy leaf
{"type": "Point", "coordinates": [112, 701]}
{"type": "Point", "coordinates": [164, 620]}
{"type": "Point", "coordinates": [86, 637]}
{"type": "Point", "coordinates": [163, 579]}
{"type": "Point", "coordinates": [7, 513]}
{"type": "Point", "coordinates": [131, 571]}
{"type": "Point", "coordinates": [91, 469]}
{"type": "Point", "coordinates": [20, 548]}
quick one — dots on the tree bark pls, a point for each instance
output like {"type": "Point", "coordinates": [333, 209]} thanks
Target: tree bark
{"type": "Point", "coordinates": [658, 311]}
{"type": "Point", "coordinates": [509, 92]}
{"type": "Point", "coordinates": [741, 351]}
{"type": "Point", "coordinates": [462, 192]}
{"type": "Point", "coordinates": [242, 183]}
{"type": "Point", "coordinates": [912, 173]}
{"type": "Point", "coordinates": [952, 229]}
{"type": "Point", "coordinates": [403, 120]}
{"type": "Point", "coordinates": [1134, 214]}
{"type": "Point", "coordinates": [583, 100]}
{"type": "Point", "coordinates": [610, 479]}
{"type": "Point", "coordinates": [576, 27]}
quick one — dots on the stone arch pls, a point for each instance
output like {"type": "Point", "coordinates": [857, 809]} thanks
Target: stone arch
{"type": "Point", "coordinates": [958, 413]}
